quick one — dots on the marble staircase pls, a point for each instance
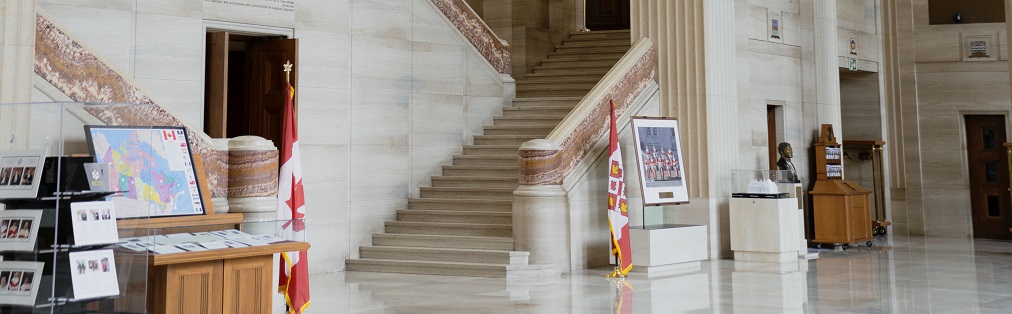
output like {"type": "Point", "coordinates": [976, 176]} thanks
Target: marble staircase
{"type": "Point", "coordinates": [462, 224]}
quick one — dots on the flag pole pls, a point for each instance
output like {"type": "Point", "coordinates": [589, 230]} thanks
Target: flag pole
{"type": "Point", "coordinates": [288, 71]}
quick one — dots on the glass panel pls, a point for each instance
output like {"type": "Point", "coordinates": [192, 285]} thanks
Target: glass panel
{"type": "Point", "coordinates": [989, 138]}
{"type": "Point", "coordinates": [994, 205]}
{"type": "Point", "coordinates": [991, 171]}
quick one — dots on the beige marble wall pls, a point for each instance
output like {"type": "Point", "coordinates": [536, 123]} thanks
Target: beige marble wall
{"type": "Point", "coordinates": [389, 90]}
{"type": "Point", "coordinates": [17, 43]}
{"type": "Point", "coordinates": [945, 86]}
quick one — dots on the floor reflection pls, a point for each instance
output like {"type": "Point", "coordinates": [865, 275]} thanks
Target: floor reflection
{"type": "Point", "coordinates": [897, 275]}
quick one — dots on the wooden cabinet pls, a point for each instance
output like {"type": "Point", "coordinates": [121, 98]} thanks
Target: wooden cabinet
{"type": "Point", "coordinates": [841, 209]}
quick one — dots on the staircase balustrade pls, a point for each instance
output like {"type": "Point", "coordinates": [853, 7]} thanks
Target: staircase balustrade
{"type": "Point", "coordinates": [494, 49]}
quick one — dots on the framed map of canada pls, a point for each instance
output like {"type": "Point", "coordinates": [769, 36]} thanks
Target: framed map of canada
{"type": "Point", "coordinates": [153, 166]}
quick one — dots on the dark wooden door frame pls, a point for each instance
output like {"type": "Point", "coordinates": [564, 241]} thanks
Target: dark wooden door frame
{"type": "Point", "coordinates": [987, 167]}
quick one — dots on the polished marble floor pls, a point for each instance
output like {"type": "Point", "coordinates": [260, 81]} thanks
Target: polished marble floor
{"type": "Point", "coordinates": [897, 275]}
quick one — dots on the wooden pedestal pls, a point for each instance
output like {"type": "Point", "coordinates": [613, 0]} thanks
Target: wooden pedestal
{"type": "Point", "coordinates": [215, 281]}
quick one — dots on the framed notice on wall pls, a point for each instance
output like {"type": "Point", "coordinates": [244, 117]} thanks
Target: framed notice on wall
{"type": "Point", "coordinates": [659, 161]}
{"type": "Point", "coordinates": [152, 165]}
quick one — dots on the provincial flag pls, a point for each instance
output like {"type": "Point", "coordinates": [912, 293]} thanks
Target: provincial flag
{"type": "Point", "coordinates": [618, 215]}
{"type": "Point", "coordinates": [294, 274]}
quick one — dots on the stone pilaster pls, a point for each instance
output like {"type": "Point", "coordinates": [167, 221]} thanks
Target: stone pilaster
{"type": "Point", "coordinates": [541, 209]}
{"type": "Point", "coordinates": [827, 67]}
{"type": "Point", "coordinates": [17, 55]}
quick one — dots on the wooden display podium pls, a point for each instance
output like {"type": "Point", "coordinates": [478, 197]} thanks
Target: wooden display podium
{"type": "Point", "coordinates": [236, 280]}
{"type": "Point", "coordinates": [841, 209]}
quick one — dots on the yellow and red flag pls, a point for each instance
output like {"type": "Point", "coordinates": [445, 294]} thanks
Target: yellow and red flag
{"type": "Point", "coordinates": [618, 215]}
{"type": "Point", "coordinates": [294, 274]}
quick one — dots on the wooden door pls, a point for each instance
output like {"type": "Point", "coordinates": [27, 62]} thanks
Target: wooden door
{"type": "Point", "coordinates": [216, 85]}
{"type": "Point", "coordinates": [267, 99]}
{"type": "Point", "coordinates": [607, 14]}
{"type": "Point", "coordinates": [247, 285]}
{"type": "Point", "coordinates": [771, 136]}
{"type": "Point", "coordinates": [989, 176]}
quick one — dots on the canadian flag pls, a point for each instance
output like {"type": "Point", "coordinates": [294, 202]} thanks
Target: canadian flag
{"type": "Point", "coordinates": [618, 216]}
{"type": "Point", "coordinates": [293, 279]}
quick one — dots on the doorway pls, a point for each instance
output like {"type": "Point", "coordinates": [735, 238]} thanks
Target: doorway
{"type": "Point", "coordinates": [245, 84]}
{"type": "Point", "coordinates": [607, 14]}
{"type": "Point", "coordinates": [987, 163]}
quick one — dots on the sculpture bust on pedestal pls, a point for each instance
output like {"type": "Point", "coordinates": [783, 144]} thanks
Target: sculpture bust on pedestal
{"type": "Point", "coordinates": [786, 153]}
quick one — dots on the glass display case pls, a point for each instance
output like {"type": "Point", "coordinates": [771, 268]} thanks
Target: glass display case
{"type": "Point", "coordinates": [762, 183]}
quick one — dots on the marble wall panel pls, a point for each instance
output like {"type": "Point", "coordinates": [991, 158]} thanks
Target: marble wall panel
{"type": "Point", "coordinates": [184, 99]}
{"type": "Point", "coordinates": [380, 64]}
{"type": "Point", "coordinates": [944, 129]}
{"type": "Point", "coordinates": [964, 90]}
{"type": "Point", "coordinates": [112, 39]}
{"type": "Point", "coordinates": [479, 111]}
{"type": "Point", "coordinates": [380, 118]}
{"type": "Point", "coordinates": [1003, 46]}
{"type": "Point", "coordinates": [427, 161]}
{"type": "Point", "coordinates": [777, 5]}
{"type": "Point", "coordinates": [330, 246]}
{"type": "Point", "coordinates": [792, 29]}
{"type": "Point", "coordinates": [860, 106]}
{"type": "Point", "coordinates": [169, 47]}
{"type": "Point", "coordinates": [754, 21]}
{"type": "Point", "coordinates": [428, 25]}
{"type": "Point", "coordinates": [858, 15]}
{"type": "Point", "coordinates": [118, 5]}
{"type": "Point", "coordinates": [381, 18]}
{"type": "Point", "coordinates": [937, 46]}
{"type": "Point", "coordinates": [324, 59]}
{"type": "Point", "coordinates": [436, 68]}
{"type": "Point", "coordinates": [379, 173]}
{"type": "Point", "coordinates": [327, 185]}
{"type": "Point", "coordinates": [775, 77]}
{"type": "Point", "coordinates": [945, 169]}
{"type": "Point", "coordinates": [947, 213]}
{"type": "Point", "coordinates": [437, 120]}
{"type": "Point", "coordinates": [180, 8]}
{"type": "Point", "coordinates": [237, 12]}
{"type": "Point", "coordinates": [323, 15]}
{"type": "Point", "coordinates": [480, 79]}
{"type": "Point", "coordinates": [324, 116]}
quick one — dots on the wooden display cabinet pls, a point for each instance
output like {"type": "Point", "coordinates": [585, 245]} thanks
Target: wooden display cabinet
{"type": "Point", "coordinates": [841, 209]}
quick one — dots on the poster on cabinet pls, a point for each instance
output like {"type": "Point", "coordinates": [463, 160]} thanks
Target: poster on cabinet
{"type": "Point", "coordinates": [659, 161]}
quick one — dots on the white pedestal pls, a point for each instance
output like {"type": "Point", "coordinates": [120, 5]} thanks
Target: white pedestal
{"type": "Point", "coordinates": [665, 249]}
{"type": "Point", "coordinates": [764, 230]}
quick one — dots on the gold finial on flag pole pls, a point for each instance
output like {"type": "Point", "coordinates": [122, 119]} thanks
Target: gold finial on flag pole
{"type": "Point", "coordinates": [288, 70]}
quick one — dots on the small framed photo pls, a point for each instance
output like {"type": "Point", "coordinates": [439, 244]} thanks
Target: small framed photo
{"type": "Point", "coordinates": [659, 161]}
{"type": "Point", "coordinates": [93, 274]}
{"type": "Point", "coordinates": [20, 173]}
{"type": "Point", "coordinates": [19, 229]}
{"type": "Point", "coordinates": [19, 282]}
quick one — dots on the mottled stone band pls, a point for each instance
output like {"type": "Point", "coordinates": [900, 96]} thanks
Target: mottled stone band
{"type": "Point", "coordinates": [252, 173]}
{"type": "Point", "coordinates": [475, 30]}
{"type": "Point", "coordinates": [539, 167]}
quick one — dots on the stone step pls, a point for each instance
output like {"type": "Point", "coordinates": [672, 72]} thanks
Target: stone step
{"type": "Point", "coordinates": [554, 58]}
{"type": "Point", "coordinates": [450, 216]}
{"type": "Point", "coordinates": [592, 66]}
{"type": "Point", "coordinates": [467, 193]}
{"type": "Point", "coordinates": [529, 86]}
{"type": "Point", "coordinates": [479, 160]}
{"type": "Point", "coordinates": [491, 205]}
{"type": "Point", "coordinates": [542, 77]}
{"type": "Point", "coordinates": [573, 71]}
{"type": "Point", "coordinates": [539, 132]}
{"type": "Point", "coordinates": [449, 269]}
{"type": "Point", "coordinates": [502, 139]}
{"type": "Point", "coordinates": [444, 255]}
{"type": "Point", "coordinates": [592, 50]}
{"type": "Point", "coordinates": [568, 102]}
{"type": "Point", "coordinates": [535, 111]}
{"type": "Point", "coordinates": [497, 150]}
{"type": "Point", "coordinates": [511, 170]}
{"type": "Point", "coordinates": [459, 229]}
{"type": "Point", "coordinates": [568, 52]}
{"type": "Point", "coordinates": [443, 241]}
{"type": "Point", "coordinates": [597, 43]}
{"type": "Point", "coordinates": [539, 93]}
{"type": "Point", "coordinates": [477, 182]}
{"type": "Point", "coordinates": [595, 36]}
{"type": "Point", "coordinates": [541, 121]}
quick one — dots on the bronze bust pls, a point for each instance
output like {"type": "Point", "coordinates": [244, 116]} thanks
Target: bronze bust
{"type": "Point", "coordinates": [786, 153]}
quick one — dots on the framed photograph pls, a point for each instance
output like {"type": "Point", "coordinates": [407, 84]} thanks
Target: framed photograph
{"type": "Point", "coordinates": [94, 222]}
{"type": "Point", "coordinates": [93, 274]}
{"type": "Point", "coordinates": [659, 161]}
{"type": "Point", "coordinates": [19, 282]}
{"type": "Point", "coordinates": [152, 165]}
{"type": "Point", "coordinates": [19, 229]}
{"type": "Point", "coordinates": [20, 172]}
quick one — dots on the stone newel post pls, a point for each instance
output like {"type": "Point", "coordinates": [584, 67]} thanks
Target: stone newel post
{"type": "Point", "coordinates": [253, 182]}
{"type": "Point", "coordinates": [540, 207]}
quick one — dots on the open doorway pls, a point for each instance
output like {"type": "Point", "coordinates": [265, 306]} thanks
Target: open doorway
{"type": "Point", "coordinates": [245, 84]}
{"type": "Point", "coordinates": [607, 14]}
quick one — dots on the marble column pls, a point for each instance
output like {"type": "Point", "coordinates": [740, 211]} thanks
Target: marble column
{"type": "Point", "coordinates": [827, 67]}
{"type": "Point", "coordinates": [541, 209]}
{"type": "Point", "coordinates": [17, 55]}
{"type": "Point", "coordinates": [696, 73]}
